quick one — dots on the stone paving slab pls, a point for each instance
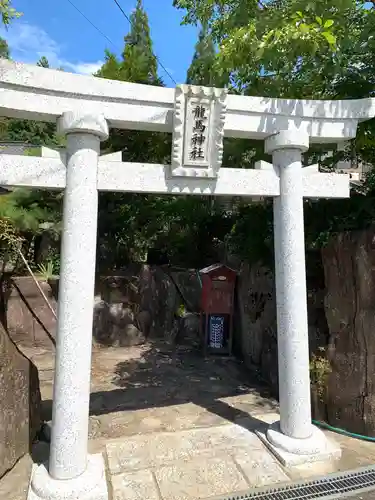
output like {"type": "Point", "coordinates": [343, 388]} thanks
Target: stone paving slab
{"type": "Point", "coordinates": [155, 450]}
{"type": "Point", "coordinates": [260, 468]}
{"type": "Point", "coordinates": [204, 396]}
{"type": "Point", "coordinates": [193, 464]}
{"type": "Point", "coordinates": [139, 485]}
{"type": "Point", "coordinates": [200, 478]}
{"type": "Point", "coordinates": [166, 419]}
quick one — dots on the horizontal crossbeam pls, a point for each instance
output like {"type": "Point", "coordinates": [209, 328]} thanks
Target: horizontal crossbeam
{"type": "Point", "coordinates": [44, 94]}
{"type": "Point", "coordinates": [50, 173]}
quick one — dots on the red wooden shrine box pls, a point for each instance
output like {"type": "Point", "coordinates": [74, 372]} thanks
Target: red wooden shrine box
{"type": "Point", "coordinates": [217, 308]}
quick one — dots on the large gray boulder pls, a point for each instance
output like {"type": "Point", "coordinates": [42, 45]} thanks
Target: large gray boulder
{"type": "Point", "coordinates": [114, 325]}
{"type": "Point", "coordinates": [137, 304]}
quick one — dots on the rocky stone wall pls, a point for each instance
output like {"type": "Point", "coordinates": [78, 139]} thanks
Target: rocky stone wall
{"type": "Point", "coordinates": [144, 302]}
{"type": "Point", "coordinates": [256, 331]}
{"type": "Point", "coordinates": [341, 312]}
{"type": "Point", "coordinates": [349, 266]}
{"type": "Point", "coordinates": [140, 302]}
{"type": "Point", "coordinates": [28, 318]}
{"type": "Point", "coordinates": [20, 403]}
{"type": "Point", "coordinates": [257, 328]}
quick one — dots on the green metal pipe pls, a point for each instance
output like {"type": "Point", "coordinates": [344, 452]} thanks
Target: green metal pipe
{"type": "Point", "coordinates": [323, 425]}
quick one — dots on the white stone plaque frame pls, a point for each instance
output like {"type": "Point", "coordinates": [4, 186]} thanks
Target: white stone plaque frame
{"type": "Point", "coordinates": [215, 103]}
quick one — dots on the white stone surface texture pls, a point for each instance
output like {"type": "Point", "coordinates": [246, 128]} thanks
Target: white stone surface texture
{"type": "Point", "coordinates": [292, 452]}
{"type": "Point", "coordinates": [69, 437]}
{"type": "Point", "coordinates": [291, 293]}
{"type": "Point", "coordinates": [141, 107]}
{"type": "Point", "coordinates": [91, 485]}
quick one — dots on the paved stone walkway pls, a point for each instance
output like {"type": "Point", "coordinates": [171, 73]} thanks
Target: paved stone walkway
{"type": "Point", "coordinates": [174, 426]}
{"type": "Point", "coordinates": [190, 464]}
{"type": "Point", "coordinates": [220, 460]}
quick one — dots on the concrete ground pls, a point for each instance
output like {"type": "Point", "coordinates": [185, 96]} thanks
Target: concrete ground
{"type": "Point", "coordinates": [174, 426]}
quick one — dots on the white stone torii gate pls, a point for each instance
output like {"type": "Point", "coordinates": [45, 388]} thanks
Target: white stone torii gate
{"type": "Point", "coordinates": [85, 108]}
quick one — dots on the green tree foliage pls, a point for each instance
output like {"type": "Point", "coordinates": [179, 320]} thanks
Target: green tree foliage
{"type": "Point", "coordinates": [295, 49]}
{"type": "Point", "coordinates": [29, 209]}
{"type": "Point", "coordinates": [31, 212]}
{"type": "Point", "coordinates": [202, 70]}
{"type": "Point", "coordinates": [279, 41]}
{"type": "Point", "coordinates": [138, 63]}
{"type": "Point", "coordinates": [4, 49]}
{"type": "Point", "coordinates": [8, 12]}
{"type": "Point", "coordinates": [10, 245]}
{"type": "Point", "coordinates": [183, 229]}
{"type": "Point", "coordinates": [111, 68]}
{"type": "Point", "coordinates": [32, 132]}
{"type": "Point", "coordinates": [27, 131]}
{"type": "Point", "coordinates": [43, 62]}
{"type": "Point", "coordinates": [129, 223]}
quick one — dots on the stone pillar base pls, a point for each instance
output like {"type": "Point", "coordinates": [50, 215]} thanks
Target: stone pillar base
{"type": "Point", "coordinates": [290, 451]}
{"type": "Point", "coordinates": [91, 485]}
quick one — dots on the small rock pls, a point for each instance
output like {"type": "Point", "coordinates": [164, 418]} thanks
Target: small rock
{"type": "Point", "coordinates": [45, 432]}
{"type": "Point", "coordinates": [131, 336]}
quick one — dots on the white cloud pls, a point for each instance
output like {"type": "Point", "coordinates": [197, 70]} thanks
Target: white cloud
{"type": "Point", "coordinates": [28, 43]}
{"type": "Point", "coordinates": [84, 68]}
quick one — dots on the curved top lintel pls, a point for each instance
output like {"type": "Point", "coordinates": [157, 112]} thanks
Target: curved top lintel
{"type": "Point", "coordinates": [39, 93]}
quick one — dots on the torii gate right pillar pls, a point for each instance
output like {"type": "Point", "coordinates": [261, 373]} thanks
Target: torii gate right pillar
{"type": "Point", "coordinates": [294, 439]}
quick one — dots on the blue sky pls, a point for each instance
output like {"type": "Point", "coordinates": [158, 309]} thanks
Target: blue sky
{"type": "Point", "coordinates": [55, 29]}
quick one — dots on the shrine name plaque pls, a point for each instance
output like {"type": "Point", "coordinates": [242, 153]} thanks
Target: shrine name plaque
{"type": "Point", "coordinates": [198, 131]}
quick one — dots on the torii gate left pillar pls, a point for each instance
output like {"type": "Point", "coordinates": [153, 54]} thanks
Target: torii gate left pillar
{"type": "Point", "coordinates": [73, 473]}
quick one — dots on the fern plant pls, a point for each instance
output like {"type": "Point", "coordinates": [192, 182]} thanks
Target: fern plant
{"type": "Point", "coordinates": [46, 271]}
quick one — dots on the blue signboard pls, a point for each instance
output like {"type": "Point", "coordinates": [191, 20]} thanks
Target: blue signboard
{"type": "Point", "coordinates": [216, 332]}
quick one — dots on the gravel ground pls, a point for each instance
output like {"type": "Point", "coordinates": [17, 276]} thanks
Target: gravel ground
{"type": "Point", "coordinates": [363, 496]}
